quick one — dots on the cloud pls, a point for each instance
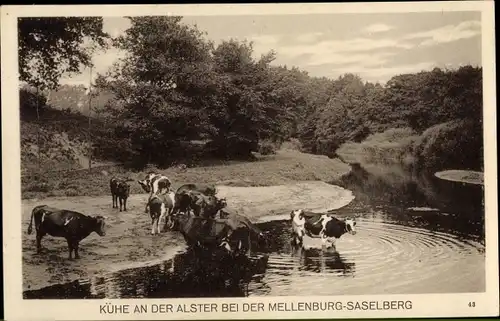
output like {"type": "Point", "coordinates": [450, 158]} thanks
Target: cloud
{"type": "Point", "coordinates": [359, 50]}
{"type": "Point", "coordinates": [378, 27]}
{"type": "Point", "coordinates": [308, 37]}
{"type": "Point", "coordinates": [382, 73]}
{"type": "Point", "coordinates": [264, 39]}
{"type": "Point", "coordinates": [449, 33]}
{"type": "Point", "coordinates": [360, 59]}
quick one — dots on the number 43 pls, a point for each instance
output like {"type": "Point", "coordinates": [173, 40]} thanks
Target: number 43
{"type": "Point", "coordinates": [472, 304]}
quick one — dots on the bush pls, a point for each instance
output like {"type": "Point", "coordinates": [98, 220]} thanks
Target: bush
{"type": "Point", "coordinates": [292, 144]}
{"type": "Point", "coordinates": [456, 144]}
{"type": "Point", "coordinates": [267, 148]}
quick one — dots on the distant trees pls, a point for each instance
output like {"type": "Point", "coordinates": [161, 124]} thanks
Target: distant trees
{"type": "Point", "coordinates": [175, 86]}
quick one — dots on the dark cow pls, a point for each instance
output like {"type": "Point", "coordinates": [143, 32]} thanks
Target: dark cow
{"type": "Point", "coordinates": [185, 195]}
{"type": "Point", "coordinates": [202, 188]}
{"type": "Point", "coordinates": [212, 234]}
{"type": "Point", "coordinates": [155, 183]}
{"type": "Point", "coordinates": [120, 191]}
{"type": "Point", "coordinates": [160, 208]}
{"type": "Point", "coordinates": [236, 220]}
{"type": "Point", "coordinates": [314, 225]}
{"type": "Point", "coordinates": [200, 204]}
{"type": "Point", "coordinates": [73, 226]}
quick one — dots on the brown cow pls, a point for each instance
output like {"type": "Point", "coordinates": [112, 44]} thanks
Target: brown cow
{"type": "Point", "coordinates": [120, 191]}
{"type": "Point", "coordinates": [71, 225]}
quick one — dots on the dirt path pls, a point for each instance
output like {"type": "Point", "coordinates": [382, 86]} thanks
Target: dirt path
{"type": "Point", "coordinates": [128, 241]}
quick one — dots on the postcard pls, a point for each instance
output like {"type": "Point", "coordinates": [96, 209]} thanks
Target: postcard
{"type": "Point", "coordinates": [249, 161]}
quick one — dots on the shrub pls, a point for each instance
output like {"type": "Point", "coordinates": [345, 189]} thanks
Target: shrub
{"type": "Point", "coordinates": [267, 148]}
{"type": "Point", "coordinates": [456, 144]}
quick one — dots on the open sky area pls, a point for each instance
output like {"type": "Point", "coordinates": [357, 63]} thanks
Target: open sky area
{"type": "Point", "coordinates": [375, 46]}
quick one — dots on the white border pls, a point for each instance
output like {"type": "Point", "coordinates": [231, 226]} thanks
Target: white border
{"type": "Point", "coordinates": [428, 305]}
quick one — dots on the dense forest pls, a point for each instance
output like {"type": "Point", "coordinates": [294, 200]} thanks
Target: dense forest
{"type": "Point", "coordinates": [175, 87]}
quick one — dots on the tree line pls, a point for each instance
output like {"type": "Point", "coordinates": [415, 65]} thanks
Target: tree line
{"type": "Point", "coordinates": [174, 86]}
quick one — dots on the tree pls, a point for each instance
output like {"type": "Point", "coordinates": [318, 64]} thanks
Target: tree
{"type": "Point", "coordinates": [52, 46]}
{"type": "Point", "coordinates": [165, 86]}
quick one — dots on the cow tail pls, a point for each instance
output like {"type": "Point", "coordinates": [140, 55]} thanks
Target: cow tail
{"type": "Point", "coordinates": [30, 227]}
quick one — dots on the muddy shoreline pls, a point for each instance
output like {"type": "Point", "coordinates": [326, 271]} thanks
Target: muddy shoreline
{"type": "Point", "coordinates": [128, 242]}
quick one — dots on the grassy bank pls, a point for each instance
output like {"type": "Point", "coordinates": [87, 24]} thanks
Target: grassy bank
{"type": "Point", "coordinates": [455, 144]}
{"type": "Point", "coordinates": [286, 166]}
{"type": "Point", "coordinates": [394, 146]}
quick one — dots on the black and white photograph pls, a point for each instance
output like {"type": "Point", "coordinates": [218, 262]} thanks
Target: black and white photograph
{"type": "Point", "coordinates": [317, 154]}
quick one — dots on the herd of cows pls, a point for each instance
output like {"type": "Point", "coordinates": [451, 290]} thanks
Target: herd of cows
{"type": "Point", "coordinates": [194, 210]}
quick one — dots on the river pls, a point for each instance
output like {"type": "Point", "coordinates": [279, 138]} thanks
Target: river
{"type": "Point", "coordinates": [416, 234]}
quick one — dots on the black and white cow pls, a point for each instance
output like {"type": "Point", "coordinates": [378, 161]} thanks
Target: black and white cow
{"type": "Point", "coordinates": [160, 208]}
{"type": "Point", "coordinates": [317, 225]}
{"type": "Point", "coordinates": [154, 183]}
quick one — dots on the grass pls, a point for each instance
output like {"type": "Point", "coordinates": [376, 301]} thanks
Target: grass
{"type": "Point", "coordinates": [286, 166]}
{"type": "Point", "coordinates": [393, 146]}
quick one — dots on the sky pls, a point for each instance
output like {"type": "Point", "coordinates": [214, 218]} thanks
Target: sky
{"type": "Point", "coordinates": [376, 46]}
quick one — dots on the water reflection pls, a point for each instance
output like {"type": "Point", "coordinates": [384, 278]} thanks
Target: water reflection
{"type": "Point", "coordinates": [416, 234]}
{"type": "Point", "coordinates": [422, 200]}
{"type": "Point", "coordinates": [188, 274]}
{"type": "Point", "coordinates": [324, 261]}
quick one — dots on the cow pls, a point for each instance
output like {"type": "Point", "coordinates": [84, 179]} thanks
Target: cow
{"type": "Point", "coordinates": [315, 225]}
{"type": "Point", "coordinates": [209, 190]}
{"type": "Point", "coordinates": [154, 183]}
{"type": "Point", "coordinates": [71, 225]}
{"type": "Point", "coordinates": [202, 205]}
{"type": "Point", "coordinates": [185, 194]}
{"type": "Point", "coordinates": [120, 191]}
{"type": "Point", "coordinates": [236, 220]}
{"type": "Point", "coordinates": [212, 234]}
{"type": "Point", "coordinates": [160, 208]}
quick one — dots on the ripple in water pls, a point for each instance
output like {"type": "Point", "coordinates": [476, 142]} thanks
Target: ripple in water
{"type": "Point", "coordinates": [381, 258]}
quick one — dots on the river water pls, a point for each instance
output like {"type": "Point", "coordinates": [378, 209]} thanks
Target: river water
{"type": "Point", "coordinates": [415, 234]}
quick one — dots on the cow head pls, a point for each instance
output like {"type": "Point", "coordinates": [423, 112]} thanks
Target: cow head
{"type": "Point", "coordinates": [221, 203]}
{"type": "Point", "coordinates": [100, 225]}
{"type": "Point", "coordinates": [297, 216]}
{"type": "Point", "coordinates": [225, 245]}
{"type": "Point", "coordinates": [124, 188]}
{"type": "Point", "coordinates": [350, 225]}
{"type": "Point", "coordinates": [145, 185]}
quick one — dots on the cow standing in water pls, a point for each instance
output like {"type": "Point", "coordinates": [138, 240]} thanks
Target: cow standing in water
{"type": "Point", "coordinates": [160, 207]}
{"type": "Point", "coordinates": [120, 191]}
{"type": "Point", "coordinates": [189, 194]}
{"type": "Point", "coordinates": [71, 225]}
{"type": "Point", "coordinates": [315, 225]}
{"type": "Point", "coordinates": [211, 234]}
{"type": "Point", "coordinates": [153, 184]}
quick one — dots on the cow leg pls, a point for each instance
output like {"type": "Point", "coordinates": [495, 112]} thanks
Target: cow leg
{"type": "Point", "coordinates": [125, 204]}
{"type": "Point", "coordinates": [39, 235]}
{"type": "Point", "coordinates": [331, 241]}
{"type": "Point", "coordinates": [70, 248]}
{"type": "Point", "coordinates": [324, 240]}
{"type": "Point", "coordinates": [121, 203]}
{"type": "Point", "coordinates": [162, 218]}
{"type": "Point", "coordinates": [75, 248]}
{"type": "Point", "coordinates": [147, 203]}
{"type": "Point", "coordinates": [113, 200]}
{"type": "Point", "coordinates": [155, 225]}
